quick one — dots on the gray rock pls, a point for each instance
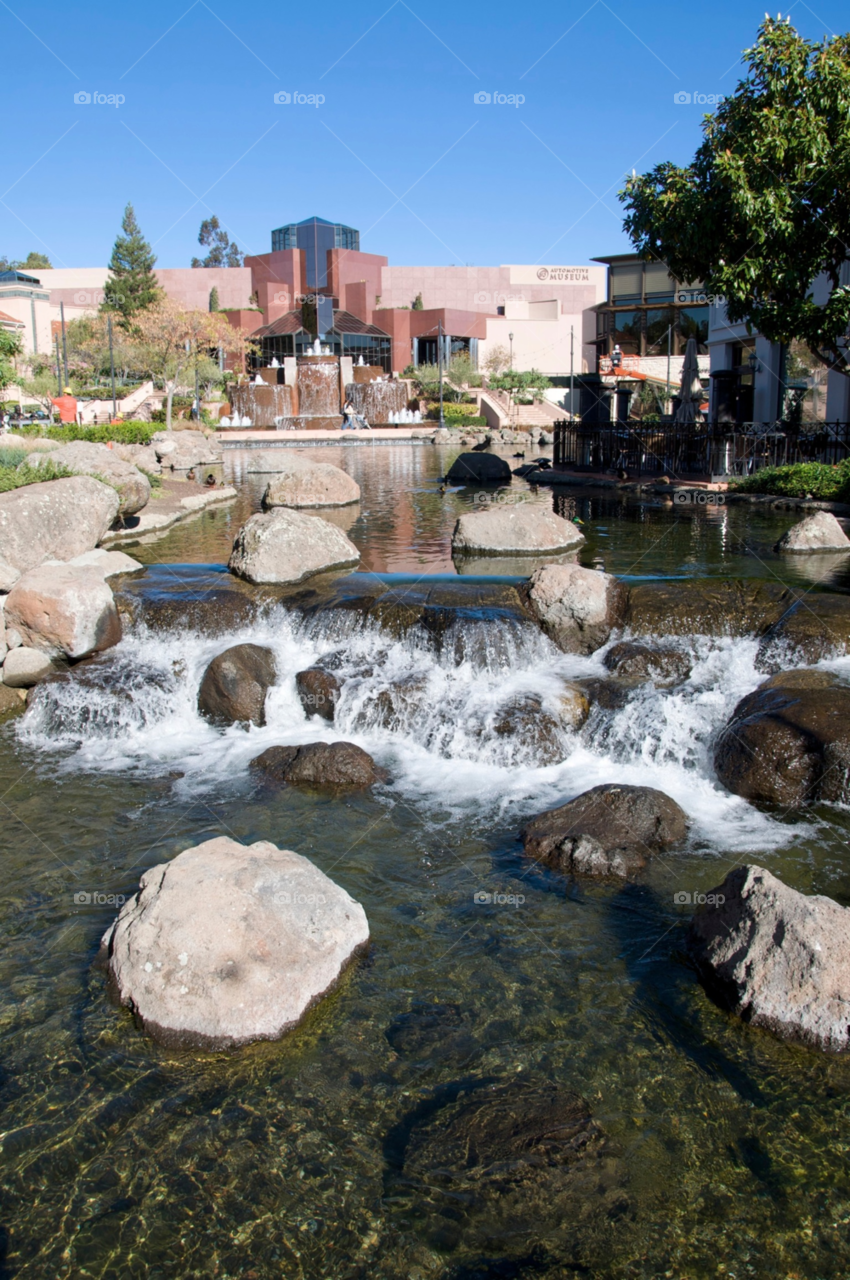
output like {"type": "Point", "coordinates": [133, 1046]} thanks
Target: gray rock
{"type": "Point", "coordinates": [231, 943]}
{"type": "Point", "coordinates": [287, 546]}
{"type": "Point", "coordinates": [182, 450]}
{"type": "Point", "coordinates": [818, 532]}
{"type": "Point", "coordinates": [142, 456]}
{"type": "Point", "coordinates": [56, 520]}
{"type": "Point", "coordinates": [638, 663]}
{"type": "Point", "coordinates": [509, 530]}
{"type": "Point", "coordinates": [85, 458]}
{"type": "Point", "coordinates": [8, 576]}
{"type": "Point", "coordinates": [303, 482]}
{"type": "Point", "coordinates": [609, 830]}
{"type": "Point", "coordinates": [110, 564]}
{"type": "Point", "coordinates": [235, 685]}
{"type": "Point", "coordinates": [479, 468]}
{"type": "Point", "coordinates": [25, 667]}
{"type": "Point", "coordinates": [334, 765]}
{"type": "Point", "coordinates": [775, 957]}
{"type": "Point", "coordinates": [577, 608]}
{"type": "Point", "coordinates": [64, 610]}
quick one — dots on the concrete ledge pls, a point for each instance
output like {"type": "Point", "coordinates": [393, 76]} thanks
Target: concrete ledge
{"type": "Point", "coordinates": [161, 514]}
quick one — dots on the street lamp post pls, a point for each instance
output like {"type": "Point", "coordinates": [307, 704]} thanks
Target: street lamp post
{"type": "Point", "coordinates": [112, 366]}
{"type": "Point", "coordinates": [64, 341]}
{"type": "Point", "coordinates": [511, 341]}
{"type": "Point", "coordinates": [440, 363]}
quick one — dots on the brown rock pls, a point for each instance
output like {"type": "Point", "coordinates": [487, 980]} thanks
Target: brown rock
{"type": "Point", "coordinates": [64, 610]}
{"type": "Point", "coordinates": [336, 765]}
{"type": "Point", "coordinates": [235, 685]}
{"type": "Point", "coordinates": [640, 664]}
{"type": "Point", "coordinates": [319, 691]}
{"type": "Point", "coordinates": [710, 606]}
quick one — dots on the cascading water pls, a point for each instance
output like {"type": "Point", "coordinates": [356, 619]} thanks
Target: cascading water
{"type": "Point", "coordinates": [262, 402]}
{"type": "Point", "coordinates": [457, 720]}
{"type": "Point", "coordinates": [377, 401]}
{"type": "Point", "coordinates": [318, 387]}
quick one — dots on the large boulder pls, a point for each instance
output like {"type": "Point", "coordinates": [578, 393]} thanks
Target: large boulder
{"type": "Point", "coordinates": [318, 691]}
{"type": "Point", "coordinates": [230, 943]}
{"type": "Point", "coordinates": [577, 608]}
{"type": "Point", "coordinates": [811, 628]}
{"type": "Point", "coordinates": [87, 459]}
{"type": "Point", "coordinates": [25, 667]}
{"type": "Point", "coordinates": [775, 957]}
{"type": "Point", "coordinates": [8, 576]}
{"type": "Point", "coordinates": [508, 530]}
{"type": "Point", "coordinates": [479, 468]}
{"type": "Point", "coordinates": [301, 482]}
{"type": "Point", "coordinates": [109, 564]}
{"type": "Point", "coordinates": [334, 765]}
{"type": "Point", "coordinates": [235, 684]}
{"type": "Point", "coordinates": [142, 456]}
{"type": "Point", "coordinates": [287, 546]}
{"type": "Point", "coordinates": [56, 520]}
{"type": "Point", "coordinates": [64, 610]}
{"type": "Point", "coordinates": [182, 450]}
{"type": "Point", "coordinates": [818, 532]}
{"type": "Point", "coordinates": [609, 830]}
{"type": "Point", "coordinates": [788, 742]}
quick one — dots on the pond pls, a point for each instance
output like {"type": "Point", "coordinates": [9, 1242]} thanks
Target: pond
{"type": "Point", "coordinates": [343, 1149]}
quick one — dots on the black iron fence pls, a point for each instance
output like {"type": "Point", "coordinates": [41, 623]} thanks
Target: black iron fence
{"type": "Point", "coordinates": [699, 450]}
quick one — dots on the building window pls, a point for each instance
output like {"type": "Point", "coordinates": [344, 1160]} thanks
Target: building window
{"type": "Point", "coordinates": [627, 327]}
{"type": "Point", "coordinates": [693, 323]}
{"type": "Point", "coordinates": [657, 324]}
{"type": "Point", "coordinates": [627, 283]}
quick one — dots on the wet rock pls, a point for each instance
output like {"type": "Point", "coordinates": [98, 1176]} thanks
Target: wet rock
{"type": "Point", "coordinates": [639, 663]}
{"type": "Point", "coordinates": [287, 546]}
{"type": "Point", "coordinates": [818, 532]}
{"type": "Point", "coordinates": [230, 943]}
{"type": "Point", "coordinates": [574, 705]}
{"type": "Point", "coordinates": [215, 612]}
{"type": "Point", "coordinates": [710, 606]}
{"type": "Point", "coordinates": [318, 691]}
{"type": "Point", "coordinates": [24, 667]}
{"type": "Point", "coordinates": [394, 706]}
{"type": "Point", "coordinates": [64, 610]}
{"type": "Point", "coordinates": [609, 830]}
{"type": "Point", "coordinates": [512, 530]}
{"type": "Point", "coordinates": [538, 731]}
{"type": "Point", "coordinates": [608, 695]}
{"type": "Point", "coordinates": [788, 742]}
{"type": "Point", "coordinates": [301, 482]}
{"type": "Point", "coordinates": [55, 520]}
{"type": "Point", "coordinates": [85, 458]}
{"type": "Point", "coordinates": [479, 468]}
{"type": "Point", "coordinates": [335, 765]}
{"type": "Point", "coordinates": [235, 685]}
{"type": "Point", "coordinates": [577, 608]}
{"type": "Point", "coordinates": [11, 703]}
{"type": "Point", "coordinates": [810, 629]}
{"type": "Point", "coordinates": [497, 1165]}
{"type": "Point", "coordinates": [777, 958]}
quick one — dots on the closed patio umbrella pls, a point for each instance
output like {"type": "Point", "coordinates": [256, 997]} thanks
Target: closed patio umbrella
{"type": "Point", "coordinates": [691, 394]}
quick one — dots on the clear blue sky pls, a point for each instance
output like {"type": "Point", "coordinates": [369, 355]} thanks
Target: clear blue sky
{"type": "Point", "coordinates": [399, 148]}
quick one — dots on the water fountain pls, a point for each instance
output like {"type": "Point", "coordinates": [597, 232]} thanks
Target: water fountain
{"type": "Point", "coordinates": [378, 402]}
{"type": "Point", "coordinates": [260, 402]}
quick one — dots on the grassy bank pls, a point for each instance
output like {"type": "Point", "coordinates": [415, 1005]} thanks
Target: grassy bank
{"type": "Point", "coordinates": [801, 480]}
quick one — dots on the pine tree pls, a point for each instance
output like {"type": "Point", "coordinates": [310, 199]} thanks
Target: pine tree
{"type": "Point", "coordinates": [132, 285]}
{"type": "Point", "coordinates": [214, 303]}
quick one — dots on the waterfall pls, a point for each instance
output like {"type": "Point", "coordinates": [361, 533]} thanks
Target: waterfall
{"type": "Point", "coordinates": [262, 402]}
{"type": "Point", "coordinates": [318, 388]}
{"type": "Point", "coordinates": [377, 401]}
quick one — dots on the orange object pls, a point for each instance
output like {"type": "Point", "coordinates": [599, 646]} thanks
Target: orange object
{"type": "Point", "coordinates": [67, 406]}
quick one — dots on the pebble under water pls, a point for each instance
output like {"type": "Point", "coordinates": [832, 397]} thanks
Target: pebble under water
{"type": "Point", "coordinates": [531, 1088]}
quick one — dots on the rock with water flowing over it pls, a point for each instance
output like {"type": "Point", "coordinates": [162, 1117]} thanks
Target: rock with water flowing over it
{"type": "Point", "coordinates": [813, 627]}
{"type": "Point", "coordinates": [56, 520]}
{"type": "Point", "coordinates": [183, 450]}
{"type": "Point", "coordinates": [778, 958]}
{"type": "Point", "coordinates": [707, 606]}
{"type": "Point", "coordinates": [609, 830]}
{"type": "Point", "coordinates": [641, 664]}
{"type": "Point", "coordinates": [318, 691]}
{"type": "Point", "coordinates": [514, 530]}
{"type": "Point", "coordinates": [334, 765]}
{"type": "Point", "coordinates": [235, 684]}
{"type": "Point", "coordinates": [64, 610]}
{"type": "Point", "coordinates": [818, 532]}
{"type": "Point", "coordinates": [479, 468]}
{"type": "Point", "coordinates": [231, 943]}
{"type": "Point", "coordinates": [82, 457]}
{"type": "Point", "coordinates": [788, 742]}
{"type": "Point", "coordinates": [303, 482]}
{"type": "Point", "coordinates": [25, 667]}
{"type": "Point", "coordinates": [285, 546]}
{"type": "Point", "coordinates": [577, 608]}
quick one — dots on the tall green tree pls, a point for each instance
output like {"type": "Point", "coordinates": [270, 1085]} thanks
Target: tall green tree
{"type": "Point", "coordinates": [764, 206]}
{"type": "Point", "coordinates": [33, 262]}
{"type": "Point", "coordinates": [223, 252]}
{"type": "Point", "coordinates": [132, 285]}
{"type": "Point", "coordinates": [214, 302]}
{"type": "Point", "coordinates": [10, 348]}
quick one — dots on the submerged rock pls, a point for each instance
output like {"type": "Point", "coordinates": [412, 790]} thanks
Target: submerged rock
{"type": "Point", "coordinates": [336, 765]}
{"type": "Point", "coordinates": [318, 691]}
{"type": "Point", "coordinates": [65, 610]}
{"type": "Point", "coordinates": [540, 732]}
{"type": "Point", "coordinates": [640, 663]}
{"type": "Point", "coordinates": [512, 530]}
{"type": "Point", "coordinates": [235, 685]}
{"type": "Point", "coordinates": [479, 468]}
{"type": "Point", "coordinates": [577, 608]}
{"type": "Point", "coordinates": [777, 958]}
{"type": "Point", "coordinates": [55, 520]}
{"type": "Point", "coordinates": [287, 546]}
{"type": "Point", "coordinates": [301, 482]}
{"type": "Point", "coordinates": [788, 742]}
{"type": "Point", "coordinates": [818, 532]}
{"type": "Point", "coordinates": [609, 830]}
{"type": "Point", "coordinates": [11, 703]}
{"type": "Point", "coordinates": [231, 943]}
{"type": "Point", "coordinates": [88, 459]}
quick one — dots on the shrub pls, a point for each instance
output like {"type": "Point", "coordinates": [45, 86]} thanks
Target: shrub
{"type": "Point", "coordinates": [17, 477]}
{"type": "Point", "coordinates": [116, 432]}
{"type": "Point", "coordinates": [824, 482]}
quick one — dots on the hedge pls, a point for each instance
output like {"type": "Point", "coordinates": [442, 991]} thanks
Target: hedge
{"type": "Point", "coordinates": [116, 432]}
{"type": "Point", "coordinates": [800, 480]}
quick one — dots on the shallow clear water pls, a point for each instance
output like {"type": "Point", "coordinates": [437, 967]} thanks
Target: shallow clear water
{"type": "Point", "coordinates": [727, 1149]}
